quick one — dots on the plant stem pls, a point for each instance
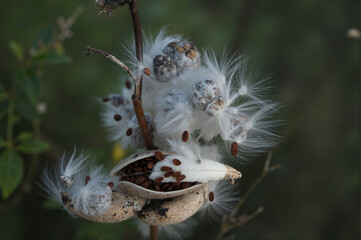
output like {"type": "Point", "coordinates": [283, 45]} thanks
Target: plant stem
{"type": "Point", "coordinates": [137, 96]}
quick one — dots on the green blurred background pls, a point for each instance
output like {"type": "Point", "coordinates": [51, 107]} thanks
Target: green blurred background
{"type": "Point", "coordinates": [315, 195]}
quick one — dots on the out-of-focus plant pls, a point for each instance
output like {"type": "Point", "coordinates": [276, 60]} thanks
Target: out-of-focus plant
{"type": "Point", "coordinates": [20, 104]}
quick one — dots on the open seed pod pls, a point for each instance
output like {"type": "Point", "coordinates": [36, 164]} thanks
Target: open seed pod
{"type": "Point", "coordinates": [174, 210]}
{"type": "Point", "coordinates": [163, 174]}
{"type": "Point", "coordinates": [143, 192]}
{"type": "Point", "coordinates": [122, 207]}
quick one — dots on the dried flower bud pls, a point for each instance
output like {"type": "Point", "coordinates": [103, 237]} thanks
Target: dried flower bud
{"type": "Point", "coordinates": [164, 68]}
{"type": "Point", "coordinates": [207, 96]}
{"type": "Point", "coordinates": [185, 55]}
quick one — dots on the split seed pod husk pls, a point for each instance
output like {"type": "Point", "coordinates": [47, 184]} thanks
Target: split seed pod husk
{"type": "Point", "coordinates": [123, 206]}
{"type": "Point", "coordinates": [139, 191]}
{"type": "Point", "coordinates": [174, 210]}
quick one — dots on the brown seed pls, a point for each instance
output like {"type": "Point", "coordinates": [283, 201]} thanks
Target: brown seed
{"type": "Point", "coordinates": [117, 117]}
{"type": "Point", "coordinates": [106, 99]}
{"type": "Point", "coordinates": [170, 188]}
{"type": "Point", "coordinates": [165, 186]}
{"type": "Point", "coordinates": [165, 168]}
{"type": "Point", "coordinates": [185, 185]}
{"type": "Point", "coordinates": [159, 156]}
{"type": "Point", "coordinates": [138, 169]}
{"type": "Point", "coordinates": [176, 174]}
{"type": "Point", "coordinates": [211, 196]}
{"type": "Point", "coordinates": [87, 179]}
{"type": "Point", "coordinates": [140, 180]}
{"type": "Point", "coordinates": [234, 148]}
{"type": "Point", "coordinates": [168, 174]}
{"type": "Point", "coordinates": [149, 159]}
{"type": "Point", "coordinates": [145, 185]}
{"type": "Point", "coordinates": [150, 165]}
{"type": "Point", "coordinates": [146, 71]}
{"type": "Point", "coordinates": [156, 187]}
{"type": "Point", "coordinates": [128, 84]}
{"type": "Point", "coordinates": [176, 162]}
{"type": "Point", "coordinates": [185, 136]}
{"type": "Point", "coordinates": [111, 184]}
{"type": "Point", "coordinates": [158, 180]}
{"type": "Point", "coordinates": [129, 132]}
{"type": "Point", "coordinates": [180, 178]}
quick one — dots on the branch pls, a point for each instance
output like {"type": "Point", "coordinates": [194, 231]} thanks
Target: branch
{"type": "Point", "coordinates": [231, 221]}
{"type": "Point", "coordinates": [91, 50]}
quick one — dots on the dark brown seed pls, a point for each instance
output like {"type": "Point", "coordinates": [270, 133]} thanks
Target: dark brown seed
{"type": "Point", "coordinates": [158, 180]}
{"type": "Point", "coordinates": [106, 99]}
{"type": "Point", "coordinates": [185, 136]}
{"type": "Point", "coordinates": [185, 185]}
{"type": "Point", "coordinates": [146, 71]}
{"type": "Point", "coordinates": [139, 180]}
{"type": "Point", "coordinates": [165, 186]}
{"type": "Point", "coordinates": [150, 165]}
{"type": "Point", "coordinates": [156, 187]}
{"type": "Point", "coordinates": [168, 174]}
{"type": "Point", "coordinates": [159, 156]}
{"type": "Point", "coordinates": [211, 196]}
{"type": "Point", "coordinates": [165, 168]}
{"type": "Point", "coordinates": [129, 132]}
{"type": "Point", "coordinates": [176, 162]}
{"type": "Point", "coordinates": [180, 178]}
{"type": "Point", "coordinates": [149, 159]}
{"type": "Point", "coordinates": [170, 188]}
{"type": "Point", "coordinates": [138, 169]}
{"type": "Point", "coordinates": [176, 174]}
{"type": "Point", "coordinates": [145, 185]}
{"type": "Point", "coordinates": [117, 117]}
{"type": "Point", "coordinates": [111, 184]}
{"type": "Point", "coordinates": [87, 179]}
{"type": "Point", "coordinates": [128, 84]}
{"type": "Point", "coordinates": [234, 148]}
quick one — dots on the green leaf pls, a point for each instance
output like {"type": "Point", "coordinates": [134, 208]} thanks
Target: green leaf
{"type": "Point", "coordinates": [17, 50]}
{"type": "Point", "coordinates": [24, 136]}
{"type": "Point", "coordinates": [25, 109]}
{"type": "Point", "coordinates": [35, 146]}
{"type": "Point", "coordinates": [11, 172]}
{"type": "Point", "coordinates": [29, 83]}
{"type": "Point", "coordinates": [50, 58]}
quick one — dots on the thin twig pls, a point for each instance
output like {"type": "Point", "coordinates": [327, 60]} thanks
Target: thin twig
{"type": "Point", "coordinates": [91, 50]}
{"type": "Point", "coordinates": [231, 221]}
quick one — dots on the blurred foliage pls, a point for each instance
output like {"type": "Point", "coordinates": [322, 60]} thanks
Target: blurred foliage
{"type": "Point", "coordinates": [316, 66]}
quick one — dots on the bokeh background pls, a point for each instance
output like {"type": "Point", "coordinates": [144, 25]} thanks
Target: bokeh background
{"type": "Point", "coordinates": [315, 195]}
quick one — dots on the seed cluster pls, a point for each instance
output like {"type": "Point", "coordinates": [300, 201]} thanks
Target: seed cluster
{"type": "Point", "coordinates": [138, 173]}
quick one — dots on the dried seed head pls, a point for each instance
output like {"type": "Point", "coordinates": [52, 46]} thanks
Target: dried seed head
{"type": "Point", "coordinates": [117, 117]}
{"type": "Point", "coordinates": [234, 149]}
{"type": "Point", "coordinates": [207, 96]}
{"type": "Point", "coordinates": [164, 68]}
{"type": "Point", "coordinates": [66, 180]}
{"type": "Point", "coordinates": [211, 196]}
{"type": "Point", "coordinates": [185, 55]}
{"type": "Point", "coordinates": [185, 136]}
